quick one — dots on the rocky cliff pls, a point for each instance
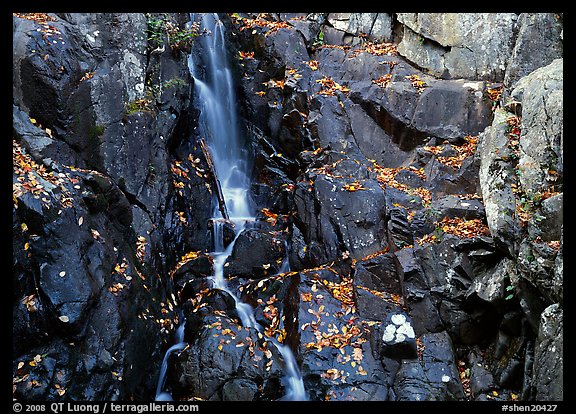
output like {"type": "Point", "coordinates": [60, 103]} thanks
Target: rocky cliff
{"type": "Point", "coordinates": [409, 165]}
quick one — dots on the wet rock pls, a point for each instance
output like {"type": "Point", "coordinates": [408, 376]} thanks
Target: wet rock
{"type": "Point", "coordinates": [548, 358]}
{"type": "Point", "coordinates": [416, 292]}
{"type": "Point", "coordinates": [434, 377]}
{"type": "Point", "coordinates": [89, 257]}
{"type": "Point", "coordinates": [340, 220]}
{"type": "Point", "coordinates": [256, 253]}
{"type": "Point", "coordinates": [396, 337]}
{"type": "Point", "coordinates": [221, 352]}
{"type": "Point", "coordinates": [481, 379]}
{"type": "Point", "coordinates": [190, 278]}
{"type": "Point", "coordinates": [239, 390]}
{"type": "Point", "coordinates": [375, 305]}
{"type": "Point", "coordinates": [379, 273]}
{"type": "Point", "coordinates": [329, 124]}
{"type": "Point", "coordinates": [339, 360]}
{"type": "Point", "coordinates": [372, 140]}
{"type": "Point", "coordinates": [453, 206]}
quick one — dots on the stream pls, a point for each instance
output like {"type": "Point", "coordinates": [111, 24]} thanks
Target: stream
{"type": "Point", "coordinates": [214, 91]}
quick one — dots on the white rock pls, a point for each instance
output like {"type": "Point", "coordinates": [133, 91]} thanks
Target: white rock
{"type": "Point", "coordinates": [398, 319]}
{"type": "Point", "coordinates": [406, 329]}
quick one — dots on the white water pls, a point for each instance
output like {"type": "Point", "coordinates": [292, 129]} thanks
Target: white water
{"type": "Point", "coordinates": [178, 346]}
{"type": "Point", "coordinates": [218, 122]}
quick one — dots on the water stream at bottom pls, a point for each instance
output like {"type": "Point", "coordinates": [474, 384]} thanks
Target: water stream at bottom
{"type": "Point", "coordinates": [295, 390]}
{"type": "Point", "coordinates": [214, 89]}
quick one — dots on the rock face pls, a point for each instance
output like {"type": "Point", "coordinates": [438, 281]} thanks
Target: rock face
{"type": "Point", "coordinates": [97, 119]}
{"type": "Point", "coordinates": [408, 240]}
{"type": "Point", "coordinates": [459, 45]}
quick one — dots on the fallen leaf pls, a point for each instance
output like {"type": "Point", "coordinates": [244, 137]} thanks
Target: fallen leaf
{"type": "Point", "coordinates": [64, 318]}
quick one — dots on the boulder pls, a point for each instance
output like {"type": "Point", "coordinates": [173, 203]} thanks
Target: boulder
{"type": "Point", "coordinates": [226, 361]}
{"type": "Point", "coordinates": [340, 360]}
{"type": "Point", "coordinates": [548, 359]}
{"type": "Point", "coordinates": [497, 174]}
{"type": "Point", "coordinates": [433, 376]}
{"type": "Point", "coordinates": [339, 216]}
{"type": "Point", "coordinates": [256, 254]}
{"type": "Point", "coordinates": [542, 136]}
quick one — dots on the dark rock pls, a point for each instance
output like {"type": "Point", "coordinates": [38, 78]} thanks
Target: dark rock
{"type": "Point", "coordinates": [337, 351]}
{"type": "Point", "coordinates": [379, 273]}
{"type": "Point", "coordinates": [396, 337]}
{"type": "Point", "coordinates": [417, 294]}
{"type": "Point", "coordinates": [239, 390]}
{"type": "Point", "coordinates": [453, 206]}
{"type": "Point", "coordinates": [213, 359]}
{"type": "Point", "coordinates": [375, 305]}
{"type": "Point", "coordinates": [435, 377]}
{"type": "Point", "coordinates": [481, 379]}
{"type": "Point", "coordinates": [399, 231]}
{"type": "Point", "coordinates": [339, 220]}
{"type": "Point", "coordinates": [329, 125]}
{"type": "Point", "coordinates": [372, 140]}
{"type": "Point", "coordinates": [256, 253]}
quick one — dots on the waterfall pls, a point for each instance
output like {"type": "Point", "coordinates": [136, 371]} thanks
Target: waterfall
{"type": "Point", "coordinates": [218, 123]}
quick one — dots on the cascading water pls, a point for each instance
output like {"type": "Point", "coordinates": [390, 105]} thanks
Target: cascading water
{"type": "Point", "coordinates": [218, 122]}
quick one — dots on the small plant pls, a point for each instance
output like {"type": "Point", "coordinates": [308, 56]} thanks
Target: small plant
{"type": "Point", "coordinates": [163, 26]}
{"type": "Point", "coordinates": [152, 93]}
{"type": "Point", "coordinates": [139, 105]}
{"type": "Point", "coordinates": [319, 39]}
{"type": "Point", "coordinates": [510, 295]}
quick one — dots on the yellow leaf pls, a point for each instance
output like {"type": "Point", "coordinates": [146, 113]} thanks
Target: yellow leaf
{"type": "Point", "coordinates": [26, 246]}
{"type": "Point", "coordinates": [32, 120]}
{"type": "Point", "coordinates": [220, 347]}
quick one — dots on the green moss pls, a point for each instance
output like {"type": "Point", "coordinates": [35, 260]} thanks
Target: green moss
{"type": "Point", "coordinates": [96, 131]}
